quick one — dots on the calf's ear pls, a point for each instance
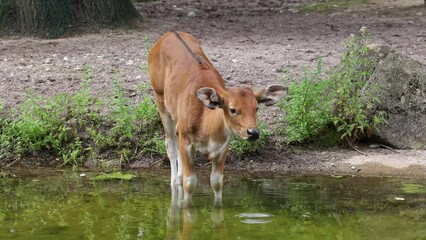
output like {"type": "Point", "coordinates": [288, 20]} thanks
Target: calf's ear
{"type": "Point", "coordinates": [271, 94]}
{"type": "Point", "coordinates": [209, 97]}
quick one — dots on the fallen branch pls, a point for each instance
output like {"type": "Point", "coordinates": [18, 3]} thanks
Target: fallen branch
{"type": "Point", "coordinates": [355, 147]}
{"type": "Point", "coordinates": [377, 145]}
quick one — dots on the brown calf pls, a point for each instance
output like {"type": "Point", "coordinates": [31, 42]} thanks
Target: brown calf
{"type": "Point", "coordinates": [198, 112]}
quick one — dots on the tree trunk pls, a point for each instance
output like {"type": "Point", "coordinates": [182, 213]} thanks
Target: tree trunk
{"type": "Point", "coordinates": [52, 18]}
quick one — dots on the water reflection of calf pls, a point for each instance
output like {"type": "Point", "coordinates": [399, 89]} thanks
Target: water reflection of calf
{"type": "Point", "coordinates": [183, 216]}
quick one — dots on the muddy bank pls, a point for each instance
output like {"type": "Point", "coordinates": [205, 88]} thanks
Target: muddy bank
{"type": "Point", "coordinates": [335, 162]}
{"type": "Point", "coordinates": [377, 162]}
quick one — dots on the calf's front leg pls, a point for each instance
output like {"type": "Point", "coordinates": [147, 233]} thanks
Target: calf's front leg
{"type": "Point", "coordinates": [216, 176]}
{"type": "Point", "coordinates": [187, 155]}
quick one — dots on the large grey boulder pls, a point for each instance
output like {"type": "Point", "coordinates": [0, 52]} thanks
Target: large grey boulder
{"type": "Point", "coordinates": [402, 96]}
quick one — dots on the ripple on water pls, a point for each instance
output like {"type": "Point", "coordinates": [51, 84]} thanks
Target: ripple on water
{"type": "Point", "coordinates": [255, 218]}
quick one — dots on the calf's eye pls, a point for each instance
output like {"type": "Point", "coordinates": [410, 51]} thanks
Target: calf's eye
{"type": "Point", "coordinates": [233, 111]}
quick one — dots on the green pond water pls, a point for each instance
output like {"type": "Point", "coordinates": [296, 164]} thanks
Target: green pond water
{"type": "Point", "coordinates": [66, 205]}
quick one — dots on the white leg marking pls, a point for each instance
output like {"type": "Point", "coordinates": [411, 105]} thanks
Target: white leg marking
{"type": "Point", "coordinates": [173, 168]}
{"type": "Point", "coordinates": [179, 166]}
{"type": "Point", "coordinates": [190, 184]}
{"type": "Point", "coordinates": [216, 181]}
{"type": "Point", "coordinates": [173, 154]}
{"type": "Point", "coordinates": [172, 150]}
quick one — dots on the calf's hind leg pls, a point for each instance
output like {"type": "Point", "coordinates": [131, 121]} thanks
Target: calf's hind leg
{"type": "Point", "coordinates": [171, 142]}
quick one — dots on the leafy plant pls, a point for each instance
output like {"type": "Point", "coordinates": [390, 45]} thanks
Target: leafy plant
{"type": "Point", "coordinates": [122, 117]}
{"type": "Point", "coordinates": [344, 99]}
{"type": "Point", "coordinates": [35, 125]}
{"type": "Point", "coordinates": [151, 137]}
{"type": "Point", "coordinates": [307, 108]}
{"type": "Point", "coordinates": [353, 95]}
{"type": "Point", "coordinates": [73, 154]}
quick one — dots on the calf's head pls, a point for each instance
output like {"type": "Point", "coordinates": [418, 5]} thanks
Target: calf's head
{"type": "Point", "coordinates": [240, 105]}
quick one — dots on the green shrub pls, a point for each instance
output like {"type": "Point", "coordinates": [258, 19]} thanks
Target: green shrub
{"type": "Point", "coordinates": [137, 124]}
{"type": "Point", "coordinates": [75, 127]}
{"type": "Point", "coordinates": [35, 125]}
{"type": "Point", "coordinates": [121, 113]}
{"type": "Point", "coordinates": [353, 95]}
{"type": "Point", "coordinates": [152, 133]}
{"type": "Point", "coordinates": [307, 108]}
{"type": "Point", "coordinates": [343, 99]}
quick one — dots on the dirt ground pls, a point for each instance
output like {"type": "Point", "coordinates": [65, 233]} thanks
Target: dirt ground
{"type": "Point", "coordinates": [249, 42]}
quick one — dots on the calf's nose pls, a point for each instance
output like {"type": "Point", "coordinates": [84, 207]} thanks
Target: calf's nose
{"type": "Point", "coordinates": [253, 134]}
